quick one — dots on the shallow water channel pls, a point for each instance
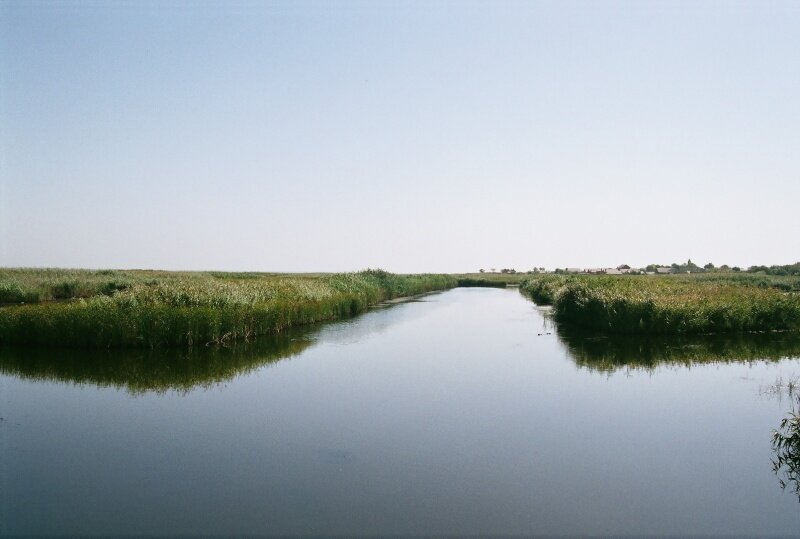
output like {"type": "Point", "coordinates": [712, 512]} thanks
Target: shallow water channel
{"type": "Point", "coordinates": [463, 412]}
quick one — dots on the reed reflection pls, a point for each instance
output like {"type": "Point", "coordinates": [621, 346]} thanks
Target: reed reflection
{"type": "Point", "coordinates": [608, 353]}
{"type": "Point", "coordinates": [159, 371]}
{"type": "Point", "coordinates": [140, 371]}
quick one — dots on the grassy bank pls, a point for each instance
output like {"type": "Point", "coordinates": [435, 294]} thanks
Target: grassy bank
{"type": "Point", "coordinates": [670, 305]}
{"type": "Point", "coordinates": [151, 309]}
{"type": "Point", "coordinates": [490, 280]}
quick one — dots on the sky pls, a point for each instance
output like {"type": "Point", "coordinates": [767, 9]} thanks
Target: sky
{"type": "Point", "coordinates": [414, 137]}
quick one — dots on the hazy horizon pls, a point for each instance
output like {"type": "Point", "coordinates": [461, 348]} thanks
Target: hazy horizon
{"type": "Point", "coordinates": [414, 136]}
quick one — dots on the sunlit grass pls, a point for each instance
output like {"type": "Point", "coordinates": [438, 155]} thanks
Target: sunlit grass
{"type": "Point", "coordinates": [179, 309]}
{"type": "Point", "coordinates": [650, 304]}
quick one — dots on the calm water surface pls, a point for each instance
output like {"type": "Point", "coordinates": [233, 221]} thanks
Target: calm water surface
{"type": "Point", "coordinates": [448, 415]}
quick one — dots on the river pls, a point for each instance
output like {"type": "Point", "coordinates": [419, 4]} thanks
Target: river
{"type": "Point", "coordinates": [462, 412]}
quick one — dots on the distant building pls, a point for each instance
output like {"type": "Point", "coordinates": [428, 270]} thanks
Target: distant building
{"type": "Point", "coordinates": [663, 270]}
{"type": "Point", "coordinates": [574, 270]}
{"type": "Point", "coordinates": [612, 271]}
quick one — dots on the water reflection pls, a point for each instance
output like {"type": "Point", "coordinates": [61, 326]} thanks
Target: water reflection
{"type": "Point", "coordinates": [141, 371]}
{"type": "Point", "coordinates": [608, 353]}
{"type": "Point", "coordinates": [450, 416]}
{"type": "Point", "coordinates": [377, 321]}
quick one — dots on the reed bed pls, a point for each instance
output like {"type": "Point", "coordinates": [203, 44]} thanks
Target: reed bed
{"type": "Point", "coordinates": [491, 280]}
{"type": "Point", "coordinates": [20, 285]}
{"type": "Point", "coordinates": [669, 305]}
{"type": "Point", "coordinates": [147, 309]}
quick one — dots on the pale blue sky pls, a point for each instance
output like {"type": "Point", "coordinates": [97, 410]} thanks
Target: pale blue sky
{"type": "Point", "coordinates": [429, 136]}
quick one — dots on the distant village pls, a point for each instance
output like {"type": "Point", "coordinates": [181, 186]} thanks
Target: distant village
{"type": "Point", "coordinates": [619, 270]}
{"type": "Point", "coordinates": [651, 269]}
{"type": "Point", "coordinates": [657, 269]}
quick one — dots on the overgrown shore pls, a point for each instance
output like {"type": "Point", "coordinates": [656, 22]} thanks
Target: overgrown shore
{"type": "Point", "coordinates": [670, 304]}
{"type": "Point", "coordinates": [153, 309]}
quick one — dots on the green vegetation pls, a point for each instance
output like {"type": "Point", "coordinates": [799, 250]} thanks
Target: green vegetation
{"type": "Point", "coordinates": [670, 304]}
{"type": "Point", "coordinates": [788, 269]}
{"type": "Point", "coordinates": [151, 309]}
{"type": "Point", "coordinates": [786, 444]}
{"type": "Point", "coordinates": [154, 309]}
{"type": "Point", "coordinates": [38, 285]}
{"type": "Point", "coordinates": [498, 280]}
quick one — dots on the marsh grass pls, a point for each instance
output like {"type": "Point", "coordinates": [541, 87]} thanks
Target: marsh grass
{"type": "Point", "coordinates": [669, 305]}
{"type": "Point", "coordinates": [146, 309]}
{"type": "Point", "coordinates": [20, 285]}
{"type": "Point", "coordinates": [491, 279]}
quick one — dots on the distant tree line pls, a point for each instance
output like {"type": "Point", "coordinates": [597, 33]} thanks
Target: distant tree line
{"type": "Point", "coordinates": [691, 267]}
{"type": "Point", "coordinates": [788, 269]}
{"type": "Point", "coordinates": [512, 271]}
{"type": "Point", "coordinates": [686, 267]}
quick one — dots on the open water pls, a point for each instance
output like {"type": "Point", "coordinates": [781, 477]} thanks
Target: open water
{"type": "Point", "coordinates": [462, 412]}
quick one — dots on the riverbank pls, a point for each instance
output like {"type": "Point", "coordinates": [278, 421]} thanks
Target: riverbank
{"type": "Point", "coordinates": [490, 280]}
{"type": "Point", "coordinates": [154, 309]}
{"type": "Point", "coordinates": [670, 304]}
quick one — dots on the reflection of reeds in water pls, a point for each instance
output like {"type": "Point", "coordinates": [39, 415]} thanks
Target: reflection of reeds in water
{"type": "Point", "coordinates": [782, 386]}
{"type": "Point", "coordinates": [480, 283]}
{"type": "Point", "coordinates": [609, 353]}
{"type": "Point", "coordinates": [152, 370]}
